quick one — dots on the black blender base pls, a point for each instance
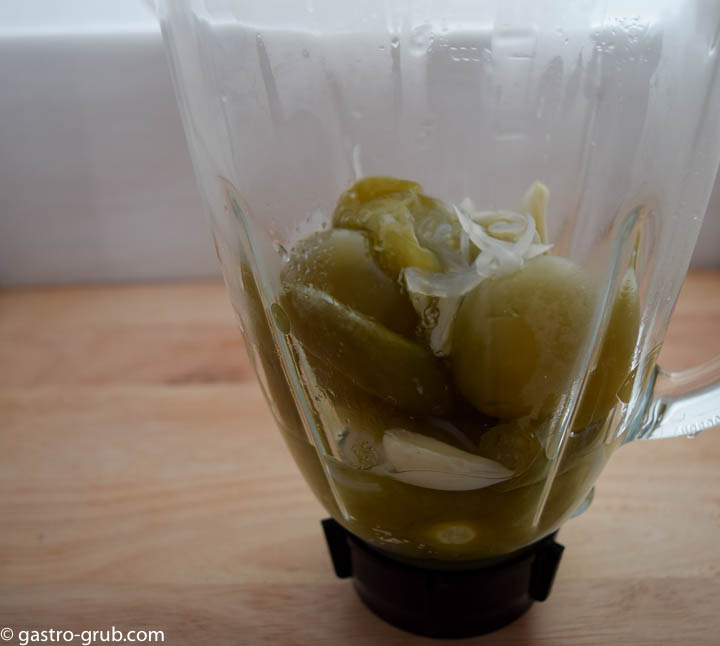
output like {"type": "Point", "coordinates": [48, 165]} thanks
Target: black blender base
{"type": "Point", "coordinates": [442, 603]}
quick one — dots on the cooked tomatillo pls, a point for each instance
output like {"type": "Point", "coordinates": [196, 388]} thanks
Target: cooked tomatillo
{"type": "Point", "coordinates": [339, 263]}
{"type": "Point", "coordinates": [516, 338]}
{"type": "Point", "coordinates": [437, 345]}
{"type": "Point", "coordinates": [378, 360]}
{"type": "Point", "coordinates": [394, 212]}
{"type": "Point", "coordinates": [615, 360]}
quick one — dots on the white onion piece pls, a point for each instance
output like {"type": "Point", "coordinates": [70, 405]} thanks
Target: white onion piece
{"type": "Point", "coordinates": [505, 228]}
{"type": "Point", "coordinates": [501, 250]}
{"type": "Point", "coordinates": [437, 316]}
{"type": "Point", "coordinates": [439, 240]}
{"type": "Point", "coordinates": [496, 257]}
{"type": "Point", "coordinates": [537, 249]}
{"type": "Point", "coordinates": [464, 247]}
{"type": "Point", "coordinates": [441, 334]}
{"type": "Point", "coordinates": [428, 283]}
{"type": "Point", "coordinates": [475, 228]}
{"type": "Point", "coordinates": [486, 218]}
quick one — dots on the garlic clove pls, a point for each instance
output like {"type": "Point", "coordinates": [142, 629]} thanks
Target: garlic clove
{"type": "Point", "coordinates": [426, 462]}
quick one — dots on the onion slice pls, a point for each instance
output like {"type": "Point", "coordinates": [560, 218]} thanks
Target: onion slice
{"type": "Point", "coordinates": [505, 241]}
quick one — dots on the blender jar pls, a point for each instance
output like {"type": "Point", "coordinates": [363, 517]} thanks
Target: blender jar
{"type": "Point", "coordinates": [453, 234]}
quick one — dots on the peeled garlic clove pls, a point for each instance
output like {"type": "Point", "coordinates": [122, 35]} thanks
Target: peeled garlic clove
{"type": "Point", "coordinates": [535, 203]}
{"type": "Point", "coordinates": [426, 462]}
{"type": "Point", "coordinates": [340, 263]}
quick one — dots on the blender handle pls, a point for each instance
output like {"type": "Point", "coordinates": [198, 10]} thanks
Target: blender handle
{"type": "Point", "coordinates": [682, 404]}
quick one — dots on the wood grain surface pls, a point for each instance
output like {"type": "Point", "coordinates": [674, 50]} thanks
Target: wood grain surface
{"type": "Point", "coordinates": [144, 486]}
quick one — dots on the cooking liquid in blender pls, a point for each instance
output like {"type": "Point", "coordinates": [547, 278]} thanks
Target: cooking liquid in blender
{"type": "Point", "coordinates": [437, 343]}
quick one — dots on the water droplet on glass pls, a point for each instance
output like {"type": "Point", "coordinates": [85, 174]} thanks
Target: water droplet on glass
{"type": "Point", "coordinates": [305, 53]}
{"type": "Point", "coordinates": [281, 251]}
{"type": "Point", "coordinates": [395, 42]}
{"type": "Point", "coordinates": [421, 40]}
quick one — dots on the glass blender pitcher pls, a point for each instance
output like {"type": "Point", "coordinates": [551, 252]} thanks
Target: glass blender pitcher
{"type": "Point", "coordinates": [453, 234]}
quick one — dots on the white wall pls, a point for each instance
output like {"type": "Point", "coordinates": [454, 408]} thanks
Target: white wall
{"type": "Point", "coordinates": [95, 180]}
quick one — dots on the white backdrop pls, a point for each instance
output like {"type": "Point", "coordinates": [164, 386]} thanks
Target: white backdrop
{"type": "Point", "coordinates": [95, 179]}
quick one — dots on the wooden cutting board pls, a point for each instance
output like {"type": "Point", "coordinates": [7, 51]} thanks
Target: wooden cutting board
{"type": "Point", "coordinates": [144, 486]}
